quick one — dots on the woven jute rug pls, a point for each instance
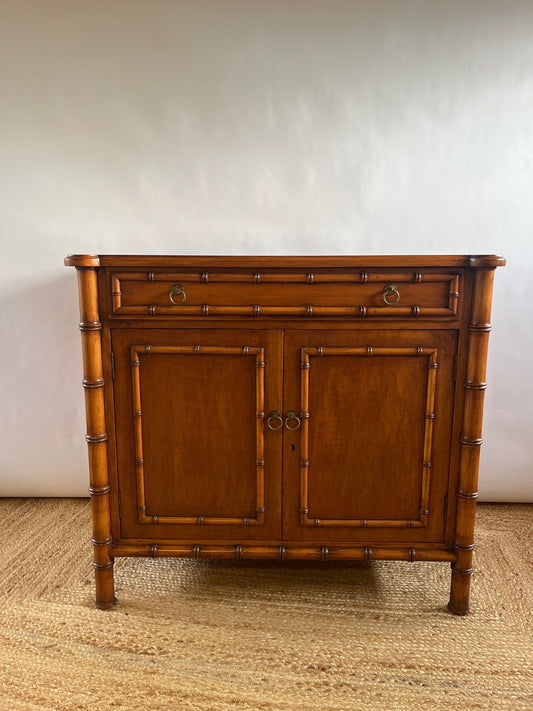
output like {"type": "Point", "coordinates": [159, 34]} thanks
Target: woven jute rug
{"type": "Point", "coordinates": [228, 635]}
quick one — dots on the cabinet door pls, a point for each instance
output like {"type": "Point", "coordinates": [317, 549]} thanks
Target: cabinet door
{"type": "Point", "coordinates": [194, 459]}
{"type": "Point", "coordinates": [370, 460]}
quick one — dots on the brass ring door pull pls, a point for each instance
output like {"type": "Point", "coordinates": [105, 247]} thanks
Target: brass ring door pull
{"type": "Point", "coordinates": [177, 290]}
{"type": "Point", "coordinates": [291, 416]}
{"type": "Point", "coordinates": [274, 417]}
{"type": "Point", "coordinates": [391, 295]}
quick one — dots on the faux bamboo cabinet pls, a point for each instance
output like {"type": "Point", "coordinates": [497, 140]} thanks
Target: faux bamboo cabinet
{"type": "Point", "coordinates": [321, 408]}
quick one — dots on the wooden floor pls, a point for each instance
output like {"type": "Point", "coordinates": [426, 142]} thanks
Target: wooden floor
{"type": "Point", "coordinates": [221, 635]}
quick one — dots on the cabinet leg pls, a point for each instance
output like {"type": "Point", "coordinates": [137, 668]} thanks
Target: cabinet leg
{"type": "Point", "coordinates": [93, 383]}
{"type": "Point", "coordinates": [103, 573]}
{"type": "Point", "coordinates": [460, 591]}
{"type": "Point", "coordinates": [105, 586]}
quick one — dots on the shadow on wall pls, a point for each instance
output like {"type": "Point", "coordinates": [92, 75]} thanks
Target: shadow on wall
{"type": "Point", "coordinates": [42, 421]}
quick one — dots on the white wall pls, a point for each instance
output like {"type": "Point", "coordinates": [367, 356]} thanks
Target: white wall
{"type": "Point", "coordinates": [255, 127]}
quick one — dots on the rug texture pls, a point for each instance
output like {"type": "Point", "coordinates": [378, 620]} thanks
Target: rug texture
{"type": "Point", "coordinates": [201, 635]}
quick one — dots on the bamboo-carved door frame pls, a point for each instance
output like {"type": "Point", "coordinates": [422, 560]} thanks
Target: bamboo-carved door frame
{"type": "Point", "coordinates": [306, 519]}
{"type": "Point", "coordinates": [258, 353]}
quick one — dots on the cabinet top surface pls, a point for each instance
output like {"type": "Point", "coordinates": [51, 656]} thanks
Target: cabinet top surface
{"type": "Point", "coordinates": [316, 262]}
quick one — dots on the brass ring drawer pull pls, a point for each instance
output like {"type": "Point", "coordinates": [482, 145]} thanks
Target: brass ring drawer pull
{"type": "Point", "coordinates": [291, 416]}
{"type": "Point", "coordinates": [274, 416]}
{"type": "Point", "coordinates": [177, 290]}
{"type": "Point", "coordinates": [391, 295]}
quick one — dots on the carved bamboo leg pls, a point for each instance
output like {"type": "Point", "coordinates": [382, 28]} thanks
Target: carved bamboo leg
{"type": "Point", "coordinates": [474, 385]}
{"type": "Point", "coordinates": [93, 383]}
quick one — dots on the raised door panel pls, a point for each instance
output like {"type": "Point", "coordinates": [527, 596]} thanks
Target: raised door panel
{"type": "Point", "coordinates": [194, 458]}
{"type": "Point", "coordinates": [370, 460]}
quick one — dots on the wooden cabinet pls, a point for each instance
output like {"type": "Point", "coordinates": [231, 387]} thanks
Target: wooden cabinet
{"type": "Point", "coordinates": [315, 408]}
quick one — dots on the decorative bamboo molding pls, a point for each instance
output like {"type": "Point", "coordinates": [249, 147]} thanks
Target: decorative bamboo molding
{"type": "Point", "coordinates": [259, 354]}
{"type": "Point", "coordinates": [365, 352]}
{"type": "Point", "coordinates": [307, 310]}
{"type": "Point", "coordinates": [283, 552]}
{"type": "Point", "coordinates": [96, 437]}
{"type": "Point", "coordinates": [470, 439]}
{"type": "Point", "coordinates": [256, 277]}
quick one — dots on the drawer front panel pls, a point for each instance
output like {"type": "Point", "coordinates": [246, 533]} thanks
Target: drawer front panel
{"type": "Point", "coordinates": [405, 294]}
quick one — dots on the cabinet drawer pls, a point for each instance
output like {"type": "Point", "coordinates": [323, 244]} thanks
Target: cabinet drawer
{"type": "Point", "coordinates": [355, 294]}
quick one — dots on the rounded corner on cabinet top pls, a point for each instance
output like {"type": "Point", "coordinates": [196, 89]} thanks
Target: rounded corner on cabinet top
{"type": "Point", "coordinates": [82, 260]}
{"type": "Point", "coordinates": [487, 260]}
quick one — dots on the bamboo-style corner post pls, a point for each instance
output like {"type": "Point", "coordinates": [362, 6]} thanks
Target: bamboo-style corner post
{"type": "Point", "coordinates": [93, 383]}
{"type": "Point", "coordinates": [474, 392]}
